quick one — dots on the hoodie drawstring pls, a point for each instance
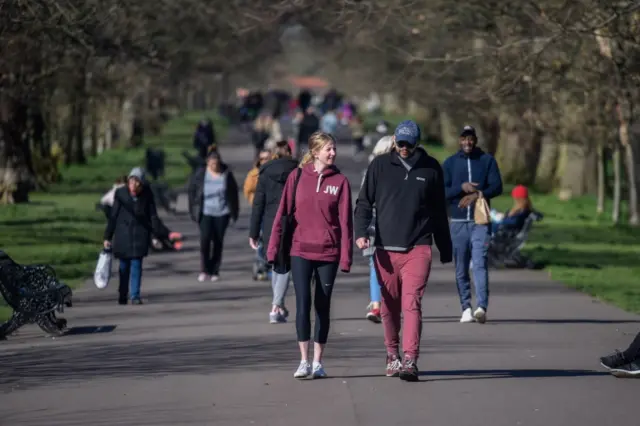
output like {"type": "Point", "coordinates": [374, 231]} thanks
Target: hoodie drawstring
{"type": "Point", "coordinates": [319, 180]}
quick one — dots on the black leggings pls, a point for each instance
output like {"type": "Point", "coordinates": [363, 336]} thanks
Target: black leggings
{"type": "Point", "coordinates": [212, 230]}
{"type": "Point", "coordinates": [633, 351]}
{"type": "Point", "coordinates": [324, 274]}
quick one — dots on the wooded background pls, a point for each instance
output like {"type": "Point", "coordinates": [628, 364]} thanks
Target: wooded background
{"type": "Point", "coordinates": [551, 86]}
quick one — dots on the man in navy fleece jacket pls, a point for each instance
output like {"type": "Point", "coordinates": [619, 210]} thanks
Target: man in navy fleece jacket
{"type": "Point", "coordinates": [467, 174]}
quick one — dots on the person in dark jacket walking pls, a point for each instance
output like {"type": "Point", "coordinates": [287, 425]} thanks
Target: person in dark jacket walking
{"type": "Point", "coordinates": [322, 242]}
{"type": "Point", "coordinates": [308, 124]}
{"type": "Point", "coordinates": [204, 137]}
{"type": "Point", "coordinates": [271, 180]}
{"type": "Point", "coordinates": [468, 174]}
{"type": "Point", "coordinates": [134, 219]}
{"type": "Point", "coordinates": [213, 202]}
{"type": "Point", "coordinates": [406, 187]}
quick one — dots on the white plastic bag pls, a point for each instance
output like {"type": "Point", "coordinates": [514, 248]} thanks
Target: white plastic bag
{"type": "Point", "coordinates": [103, 269]}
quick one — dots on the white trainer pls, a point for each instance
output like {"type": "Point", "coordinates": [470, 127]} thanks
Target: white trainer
{"type": "Point", "coordinates": [467, 316]}
{"type": "Point", "coordinates": [318, 371]}
{"type": "Point", "coordinates": [480, 315]}
{"type": "Point", "coordinates": [303, 371]}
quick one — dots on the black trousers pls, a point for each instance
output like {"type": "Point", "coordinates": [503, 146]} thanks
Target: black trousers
{"type": "Point", "coordinates": [212, 230]}
{"type": "Point", "coordinates": [324, 275]}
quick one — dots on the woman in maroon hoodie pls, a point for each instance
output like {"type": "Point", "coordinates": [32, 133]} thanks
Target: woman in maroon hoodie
{"type": "Point", "coordinates": [322, 242]}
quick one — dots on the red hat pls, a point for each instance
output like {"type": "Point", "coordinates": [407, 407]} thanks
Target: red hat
{"type": "Point", "coordinates": [520, 191]}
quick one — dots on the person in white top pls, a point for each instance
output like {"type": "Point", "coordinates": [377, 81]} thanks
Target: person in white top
{"type": "Point", "coordinates": [106, 202]}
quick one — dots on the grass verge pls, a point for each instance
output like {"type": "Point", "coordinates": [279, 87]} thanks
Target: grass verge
{"type": "Point", "coordinates": [62, 228]}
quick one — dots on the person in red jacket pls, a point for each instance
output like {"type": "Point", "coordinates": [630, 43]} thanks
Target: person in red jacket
{"type": "Point", "coordinates": [322, 242]}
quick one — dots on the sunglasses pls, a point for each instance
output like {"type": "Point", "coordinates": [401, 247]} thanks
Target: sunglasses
{"type": "Point", "coordinates": [404, 144]}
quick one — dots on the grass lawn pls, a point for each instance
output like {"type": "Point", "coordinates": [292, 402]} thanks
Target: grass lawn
{"type": "Point", "coordinates": [61, 227]}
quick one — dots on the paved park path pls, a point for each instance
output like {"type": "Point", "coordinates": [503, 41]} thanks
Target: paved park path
{"type": "Point", "coordinates": [205, 354]}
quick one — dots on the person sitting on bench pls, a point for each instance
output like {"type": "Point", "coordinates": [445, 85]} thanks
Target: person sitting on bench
{"type": "Point", "coordinates": [517, 215]}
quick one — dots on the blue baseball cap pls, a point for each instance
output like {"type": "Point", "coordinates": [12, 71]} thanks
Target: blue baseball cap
{"type": "Point", "coordinates": [408, 131]}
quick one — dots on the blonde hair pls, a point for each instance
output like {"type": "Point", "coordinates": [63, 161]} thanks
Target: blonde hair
{"type": "Point", "coordinates": [317, 141]}
{"type": "Point", "coordinates": [383, 146]}
{"type": "Point", "coordinates": [520, 205]}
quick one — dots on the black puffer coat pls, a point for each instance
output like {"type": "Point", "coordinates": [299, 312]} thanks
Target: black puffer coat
{"type": "Point", "coordinates": [271, 180]}
{"type": "Point", "coordinates": [132, 223]}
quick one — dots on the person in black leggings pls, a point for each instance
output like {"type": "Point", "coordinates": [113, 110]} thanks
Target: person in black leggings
{"type": "Point", "coordinates": [323, 275]}
{"type": "Point", "coordinates": [322, 242]}
{"type": "Point", "coordinates": [626, 363]}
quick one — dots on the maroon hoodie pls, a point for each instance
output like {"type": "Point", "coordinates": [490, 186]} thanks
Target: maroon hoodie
{"type": "Point", "coordinates": [323, 225]}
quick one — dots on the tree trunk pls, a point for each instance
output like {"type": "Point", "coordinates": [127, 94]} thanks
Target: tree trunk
{"type": "Point", "coordinates": [634, 217]}
{"type": "Point", "coordinates": [575, 172]}
{"type": "Point", "coordinates": [490, 133]}
{"type": "Point", "coordinates": [519, 149]}
{"type": "Point", "coordinates": [547, 168]}
{"type": "Point", "coordinates": [448, 132]}
{"type": "Point", "coordinates": [225, 88]}
{"type": "Point", "coordinates": [94, 128]}
{"type": "Point", "coordinates": [78, 130]}
{"type": "Point", "coordinates": [601, 170]}
{"type": "Point", "coordinates": [190, 98]}
{"type": "Point", "coordinates": [15, 178]}
{"type": "Point", "coordinates": [617, 183]}
{"type": "Point", "coordinates": [630, 164]}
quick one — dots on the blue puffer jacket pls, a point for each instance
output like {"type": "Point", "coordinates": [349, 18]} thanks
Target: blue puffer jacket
{"type": "Point", "coordinates": [478, 167]}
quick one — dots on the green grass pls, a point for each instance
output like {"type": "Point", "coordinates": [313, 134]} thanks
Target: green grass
{"type": "Point", "coordinates": [584, 251]}
{"type": "Point", "coordinates": [61, 227]}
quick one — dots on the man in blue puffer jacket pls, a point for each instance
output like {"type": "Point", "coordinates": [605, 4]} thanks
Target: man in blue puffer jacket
{"type": "Point", "coordinates": [468, 174]}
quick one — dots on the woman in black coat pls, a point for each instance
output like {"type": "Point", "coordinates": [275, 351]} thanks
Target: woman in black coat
{"type": "Point", "coordinates": [271, 180]}
{"type": "Point", "coordinates": [134, 219]}
{"type": "Point", "coordinates": [213, 202]}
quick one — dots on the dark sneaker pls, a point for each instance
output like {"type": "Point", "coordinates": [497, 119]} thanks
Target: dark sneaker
{"type": "Point", "coordinates": [284, 312]}
{"type": "Point", "coordinates": [393, 365]}
{"type": "Point", "coordinates": [614, 360]}
{"type": "Point", "coordinates": [122, 301]}
{"type": "Point", "coordinates": [136, 301]}
{"type": "Point", "coordinates": [409, 371]}
{"type": "Point", "coordinates": [631, 369]}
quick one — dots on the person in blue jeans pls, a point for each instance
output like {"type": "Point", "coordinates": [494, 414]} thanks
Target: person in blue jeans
{"type": "Point", "coordinates": [133, 222]}
{"type": "Point", "coordinates": [468, 174]}
{"type": "Point", "coordinates": [383, 146]}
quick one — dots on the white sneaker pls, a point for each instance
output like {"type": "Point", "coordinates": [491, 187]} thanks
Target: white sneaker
{"type": "Point", "coordinates": [318, 371]}
{"type": "Point", "coordinates": [202, 277]}
{"type": "Point", "coordinates": [480, 315]}
{"type": "Point", "coordinates": [467, 316]}
{"type": "Point", "coordinates": [214, 278]}
{"type": "Point", "coordinates": [304, 370]}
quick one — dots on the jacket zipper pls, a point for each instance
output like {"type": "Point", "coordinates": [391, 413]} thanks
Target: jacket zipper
{"type": "Point", "coordinates": [469, 180]}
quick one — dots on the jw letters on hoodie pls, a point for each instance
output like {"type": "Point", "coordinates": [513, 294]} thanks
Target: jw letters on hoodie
{"type": "Point", "coordinates": [331, 189]}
